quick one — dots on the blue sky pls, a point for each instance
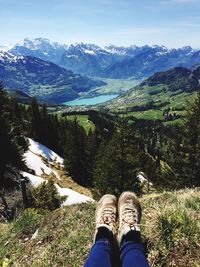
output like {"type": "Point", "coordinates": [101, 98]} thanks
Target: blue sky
{"type": "Point", "coordinates": [173, 23]}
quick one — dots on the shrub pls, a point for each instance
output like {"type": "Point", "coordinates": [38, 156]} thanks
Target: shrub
{"type": "Point", "coordinates": [25, 224]}
{"type": "Point", "coordinates": [46, 196]}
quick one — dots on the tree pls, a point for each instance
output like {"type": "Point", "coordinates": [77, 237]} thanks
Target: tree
{"type": "Point", "coordinates": [118, 162]}
{"type": "Point", "coordinates": [11, 156]}
{"type": "Point", "coordinates": [75, 155]}
{"type": "Point", "coordinates": [46, 196]}
{"type": "Point", "coordinates": [36, 121]}
{"type": "Point", "coordinates": [92, 147]}
{"type": "Point", "coordinates": [191, 145]}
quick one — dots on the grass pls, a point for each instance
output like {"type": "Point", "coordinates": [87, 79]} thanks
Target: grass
{"type": "Point", "coordinates": [113, 86]}
{"type": "Point", "coordinates": [83, 120]}
{"type": "Point", "coordinates": [170, 230]}
{"type": "Point", "coordinates": [160, 96]}
{"type": "Point", "coordinates": [61, 239]}
{"type": "Point", "coordinates": [151, 114]}
{"type": "Point", "coordinates": [173, 233]}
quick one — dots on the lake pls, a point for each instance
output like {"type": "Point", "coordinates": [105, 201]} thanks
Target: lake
{"type": "Point", "coordinates": [90, 101]}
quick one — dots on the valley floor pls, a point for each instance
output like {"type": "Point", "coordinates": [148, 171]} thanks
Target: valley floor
{"type": "Point", "coordinates": [171, 233]}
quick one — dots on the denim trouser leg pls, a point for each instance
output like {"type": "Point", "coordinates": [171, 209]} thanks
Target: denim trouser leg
{"type": "Point", "coordinates": [100, 254]}
{"type": "Point", "coordinates": [132, 255]}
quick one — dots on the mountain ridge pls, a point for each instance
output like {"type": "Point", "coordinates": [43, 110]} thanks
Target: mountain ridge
{"type": "Point", "coordinates": [189, 79]}
{"type": "Point", "coordinates": [110, 61]}
{"type": "Point", "coordinates": [42, 79]}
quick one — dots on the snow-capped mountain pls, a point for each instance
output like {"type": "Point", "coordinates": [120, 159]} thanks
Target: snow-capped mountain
{"type": "Point", "coordinates": [194, 59]}
{"type": "Point", "coordinates": [7, 57]}
{"type": "Point", "coordinates": [110, 61]}
{"type": "Point", "coordinates": [5, 47]}
{"type": "Point", "coordinates": [45, 80]}
{"type": "Point", "coordinates": [148, 61]}
{"type": "Point", "coordinates": [41, 48]}
{"type": "Point", "coordinates": [89, 59]}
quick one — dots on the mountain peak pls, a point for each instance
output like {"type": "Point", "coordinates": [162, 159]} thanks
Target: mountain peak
{"type": "Point", "coordinates": [111, 61]}
{"type": "Point", "coordinates": [39, 43]}
{"type": "Point", "coordinates": [5, 47]}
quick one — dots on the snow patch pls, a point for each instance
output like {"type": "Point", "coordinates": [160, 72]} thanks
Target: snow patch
{"type": "Point", "coordinates": [72, 196]}
{"type": "Point", "coordinates": [90, 52]}
{"type": "Point", "coordinates": [8, 57]}
{"type": "Point", "coordinates": [35, 180]}
{"type": "Point", "coordinates": [44, 151]}
{"type": "Point", "coordinates": [5, 47]}
{"type": "Point", "coordinates": [35, 162]}
{"type": "Point", "coordinates": [34, 158]}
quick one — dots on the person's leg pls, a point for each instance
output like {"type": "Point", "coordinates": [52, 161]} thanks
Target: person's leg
{"type": "Point", "coordinates": [101, 252]}
{"type": "Point", "coordinates": [132, 251]}
{"type": "Point", "coordinates": [100, 255]}
{"type": "Point", "coordinates": [129, 238]}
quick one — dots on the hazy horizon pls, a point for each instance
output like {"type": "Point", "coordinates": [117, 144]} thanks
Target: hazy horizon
{"type": "Point", "coordinates": [92, 43]}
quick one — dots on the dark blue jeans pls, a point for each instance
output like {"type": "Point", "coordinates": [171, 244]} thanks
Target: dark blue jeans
{"type": "Point", "coordinates": [131, 253]}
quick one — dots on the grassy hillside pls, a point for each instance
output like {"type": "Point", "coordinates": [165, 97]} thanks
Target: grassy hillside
{"type": "Point", "coordinates": [150, 102]}
{"type": "Point", "coordinates": [164, 96]}
{"type": "Point", "coordinates": [170, 227]}
{"type": "Point", "coordinates": [83, 121]}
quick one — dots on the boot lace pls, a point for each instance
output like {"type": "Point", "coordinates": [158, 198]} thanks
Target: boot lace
{"type": "Point", "coordinates": [108, 216]}
{"type": "Point", "coordinates": [129, 214]}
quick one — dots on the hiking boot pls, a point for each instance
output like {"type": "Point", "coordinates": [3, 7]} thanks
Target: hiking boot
{"type": "Point", "coordinates": [106, 213]}
{"type": "Point", "coordinates": [129, 210]}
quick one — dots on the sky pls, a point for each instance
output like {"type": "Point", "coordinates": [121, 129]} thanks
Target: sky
{"type": "Point", "coordinates": [173, 23]}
